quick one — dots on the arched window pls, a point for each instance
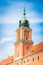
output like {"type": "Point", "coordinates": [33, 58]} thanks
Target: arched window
{"type": "Point", "coordinates": [38, 57]}
{"type": "Point", "coordinates": [26, 34]}
{"type": "Point", "coordinates": [24, 61]}
{"type": "Point", "coordinates": [33, 59]}
{"type": "Point", "coordinates": [26, 38]}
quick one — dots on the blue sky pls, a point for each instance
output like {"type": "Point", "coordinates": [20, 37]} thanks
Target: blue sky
{"type": "Point", "coordinates": [11, 11]}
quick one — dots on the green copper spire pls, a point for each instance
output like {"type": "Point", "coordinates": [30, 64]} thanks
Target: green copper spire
{"type": "Point", "coordinates": [24, 21]}
{"type": "Point", "coordinates": [24, 15]}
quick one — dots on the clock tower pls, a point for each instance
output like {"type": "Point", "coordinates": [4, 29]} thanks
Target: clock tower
{"type": "Point", "coordinates": [23, 40]}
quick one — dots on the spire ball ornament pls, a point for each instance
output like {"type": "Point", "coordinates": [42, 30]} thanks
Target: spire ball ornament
{"type": "Point", "coordinates": [24, 12]}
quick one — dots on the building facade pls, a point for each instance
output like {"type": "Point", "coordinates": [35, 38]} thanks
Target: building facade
{"type": "Point", "coordinates": [25, 53]}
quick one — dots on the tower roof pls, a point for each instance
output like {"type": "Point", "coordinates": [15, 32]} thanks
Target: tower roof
{"type": "Point", "coordinates": [24, 21]}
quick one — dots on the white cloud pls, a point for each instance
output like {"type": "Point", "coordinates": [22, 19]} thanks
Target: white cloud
{"type": "Point", "coordinates": [34, 17]}
{"type": "Point", "coordinates": [14, 18]}
{"type": "Point", "coordinates": [6, 39]}
{"type": "Point", "coordinates": [14, 14]}
{"type": "Point", "coordinates": [6, 51]}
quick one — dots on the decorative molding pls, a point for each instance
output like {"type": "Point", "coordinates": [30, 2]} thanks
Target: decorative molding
{"type": "Point", "coordinates": [18, 58]}
{"type": "Point", "coordinates": [22, 40]}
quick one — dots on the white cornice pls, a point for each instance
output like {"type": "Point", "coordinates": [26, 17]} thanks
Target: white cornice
{"type": "Point", "coordinates": [18, 58]}
{"type": "Point", "coordinates": [29, 41]}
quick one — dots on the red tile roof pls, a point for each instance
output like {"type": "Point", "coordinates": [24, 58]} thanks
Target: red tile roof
{"type": "Point", "coordinates": [35, 48]}
{"type": "Point", "coordinates": [7, 60]}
